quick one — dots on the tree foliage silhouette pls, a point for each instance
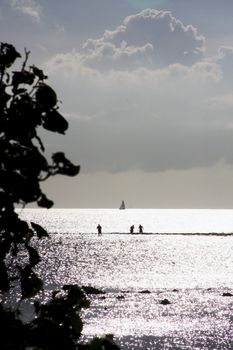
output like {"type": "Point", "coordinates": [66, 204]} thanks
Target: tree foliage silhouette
{"type": "Point", "coordinates": [27, 103]}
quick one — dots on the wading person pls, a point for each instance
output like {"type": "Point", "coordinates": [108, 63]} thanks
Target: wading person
{"type": "Point", "coordinates": [99, 228]}
{"type": "Point", "coordinates": [131, 229]}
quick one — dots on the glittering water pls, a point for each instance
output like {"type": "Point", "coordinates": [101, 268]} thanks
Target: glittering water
{"type": "Point", "coordinates": [138, 272]}
{"type": "Point", "coordinates": [115, 220]}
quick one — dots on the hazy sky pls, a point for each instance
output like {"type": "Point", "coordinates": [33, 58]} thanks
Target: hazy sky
{"type": "Point", "coordinates": [147, 88]}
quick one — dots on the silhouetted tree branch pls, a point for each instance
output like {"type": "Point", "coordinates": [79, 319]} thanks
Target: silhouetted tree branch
{"type": "Point", "coordinates": [27, 103]}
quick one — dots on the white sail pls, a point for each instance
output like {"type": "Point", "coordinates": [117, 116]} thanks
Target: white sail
{"type": "Point", "coordinates": [122, 206]}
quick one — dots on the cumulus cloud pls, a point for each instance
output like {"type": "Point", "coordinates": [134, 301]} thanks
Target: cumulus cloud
{"type": "Point", "coordinates": [150, 38]}
{"type": "Point", "coordinates": [27, 7]}
{"type": "Point", "coordinates": [137, 113]}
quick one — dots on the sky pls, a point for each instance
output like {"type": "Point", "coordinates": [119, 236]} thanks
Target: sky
{"type": "Point", "coordinates": [147, 89]}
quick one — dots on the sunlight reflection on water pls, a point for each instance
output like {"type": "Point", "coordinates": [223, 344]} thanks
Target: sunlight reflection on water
{"type": "Point", "coordinates": [192, 272]}
{"type": "Point", "coordinates": [114, 220]}
{"type": "Point", "coordinates": [126, 262]}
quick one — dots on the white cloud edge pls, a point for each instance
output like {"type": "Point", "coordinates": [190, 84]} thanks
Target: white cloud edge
{"type": "Point", "coordinates": [29, 8]}
{"type": "Point", "coordinates": [119, 44]}
{"type": "Point", "coordinates": [195, 93]}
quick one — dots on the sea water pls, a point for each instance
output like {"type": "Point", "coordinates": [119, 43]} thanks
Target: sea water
{"type": "Point", "coordinates": [184, 257]}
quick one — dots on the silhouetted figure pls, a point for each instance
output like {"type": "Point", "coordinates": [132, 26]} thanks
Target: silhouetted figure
{"type": "Point", "coordinates": [140, 227]}
{"type": "Point", "coordinates": [99, 228]}
{"type": "Point", "coordinates": [131, 228]}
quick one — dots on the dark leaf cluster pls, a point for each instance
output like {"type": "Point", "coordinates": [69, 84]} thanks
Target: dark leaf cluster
{"type": "Point", "coordinates": [28, 103]}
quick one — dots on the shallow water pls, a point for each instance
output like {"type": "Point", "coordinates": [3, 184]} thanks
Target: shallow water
{"type": "Point", "coordinates": [119, 221]}
{"type": "Point", "coordinates": [137, 272]}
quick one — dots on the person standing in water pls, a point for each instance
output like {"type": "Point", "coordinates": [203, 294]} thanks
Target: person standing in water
{"type": "Point", "coordinates": [99, 228]}
{"type": "Point", "coordinates": [131, 229]}
{"type": "Point", "coordinates": [140, 227]}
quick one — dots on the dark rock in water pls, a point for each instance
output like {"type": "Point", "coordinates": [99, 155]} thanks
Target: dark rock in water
{"type": "Point", "coordinates": [175, 290]}
{"type": "Point", "coordinates": [165, 302]}
{"type": "Point", "coordinates": [120, 297]}
{"type": "Point", "coordinates": [92, 290]}
{"type": "Point", "coordinates": [54, 293]}
{"type": "Point", "coordinates": [227, 294]}
{"type": "Point", "coordinates": [145, 291]}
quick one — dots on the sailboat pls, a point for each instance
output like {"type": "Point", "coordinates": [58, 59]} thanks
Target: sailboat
{"type": "Point", "coordinates": [122, 206]}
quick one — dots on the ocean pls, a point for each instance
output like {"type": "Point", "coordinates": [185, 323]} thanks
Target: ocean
{"type": "Point", "coordinates": [168, 288]}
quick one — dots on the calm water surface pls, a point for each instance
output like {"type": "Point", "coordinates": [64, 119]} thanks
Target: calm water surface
{"type": "Point", "coordinates": [138, 271]}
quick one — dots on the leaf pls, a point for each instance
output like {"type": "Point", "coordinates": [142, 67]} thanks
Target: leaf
{"type": "Point", "coordinates": [70, 170]}
{"type": "Point", "coordinates": [76, 297]}
{"type": "Point", "coordinates": [103, 343]}
{"type": "Point", "coordinates": [23, 77]}
{"type": "Point", "coordinates": [44, 202]}
{"type": "Point", "coordinates": [46, 96]}
{"type": "Point", "coordinates": [38, 72]}
{"type": "Point", "coordinates": [54, 121]}
{"type": "Point", "coordinates": [4, 280]}
{"type": "Point", "coordinates": [59, 157]}
{"type": "Point", "coordinates": [21, 232]}
{"type": "Point", "coordinates": [31, 284]}
{"type": "Point", "coordinates": [8, 55]}
{"type": "Point", "coordinates": [76, 323]}
{"type": "Point", "coordinates": [34, 257]}
{"type": "Point", "coordinates": [41, 232]}
{"type": "Point", "coordinates": [4, 96]}
{"type": "Point", "coordinates": [65, 167]}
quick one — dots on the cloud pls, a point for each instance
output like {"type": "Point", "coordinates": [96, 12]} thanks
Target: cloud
{"type": "Point", "coordinates": [221, 103]}
{"type": "Point", "coordinates": [153, 120]}
{"type": "Point", "coordinates": [150, 39]}
{"type": "Point", "coordinates": [137, 116]}
{"type": "Point", "coordinates": [224, 60]}
{"type": "Point", "coordinates": [27, 7]}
